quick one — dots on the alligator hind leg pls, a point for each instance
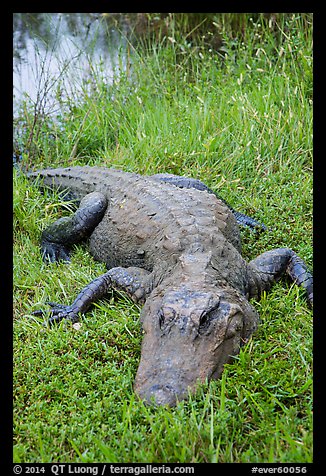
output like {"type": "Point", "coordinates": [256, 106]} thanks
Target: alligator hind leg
{"type": "Point", "coordinates": [186, 182]}
{"type": "Point", "coordinates": [58, 237]}
{"type": "Point", "coordinates": [270, 266]}
{"type": "Point", "coordinates": [136, 282]}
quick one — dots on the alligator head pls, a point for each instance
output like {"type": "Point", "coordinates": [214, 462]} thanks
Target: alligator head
{"type": "Point", "coordinates": [189, 334]}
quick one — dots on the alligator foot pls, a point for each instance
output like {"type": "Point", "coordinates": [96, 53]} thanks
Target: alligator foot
{"type": "Point", "coordinates": [59, 312]}
{"type": "Point", "coordinates": [89, 294]}
{"type": "Point", "coordinates": [67, 231]}
{"type": "Point", "coordinates": [269, 267]}
{"type": "Point", "coordinates": [136, 282]}
{"type": "Point", "coordinates": [245, 220]}
{"type": "Point", "coordinates": [52, 252]}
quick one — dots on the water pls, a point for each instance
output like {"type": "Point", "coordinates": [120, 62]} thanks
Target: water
{"type": "Point", "coordinates": [57, 54]}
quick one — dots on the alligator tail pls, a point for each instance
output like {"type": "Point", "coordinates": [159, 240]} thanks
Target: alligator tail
{"type": "Point", "coordinates": [75, 182]}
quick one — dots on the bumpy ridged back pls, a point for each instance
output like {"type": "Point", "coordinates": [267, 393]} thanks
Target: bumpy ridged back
{"type": "Point", "coordinates": [202, 210]}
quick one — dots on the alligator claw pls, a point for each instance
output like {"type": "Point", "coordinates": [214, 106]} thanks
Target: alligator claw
{"type": "Point", "coordinates": [58, 312]}
{"type": "Point", "coordinates": [52, 252]}
{"type": "Point", "coordinates": [38, 313]}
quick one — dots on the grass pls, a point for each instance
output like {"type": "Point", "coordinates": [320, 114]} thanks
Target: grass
{"type": "Point", "coordinates": [241, 120]}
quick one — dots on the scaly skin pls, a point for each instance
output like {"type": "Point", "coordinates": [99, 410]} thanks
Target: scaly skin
{"type": "Point", "coordinates": [172, 245]}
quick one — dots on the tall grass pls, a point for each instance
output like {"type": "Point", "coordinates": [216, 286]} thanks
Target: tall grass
{"type": "Point", "coordinates": [240, 119]}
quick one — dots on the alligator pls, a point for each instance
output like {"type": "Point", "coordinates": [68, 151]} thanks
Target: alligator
{"type": "Point", "coordinates": [173, 246]}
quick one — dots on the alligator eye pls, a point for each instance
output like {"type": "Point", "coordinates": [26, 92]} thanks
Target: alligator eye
{"type": "Point", "coordinates": [205, 319]}
{"type": "Point", "coordinates": [161, 318]}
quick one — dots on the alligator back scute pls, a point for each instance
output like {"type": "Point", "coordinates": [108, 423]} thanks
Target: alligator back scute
{"type": "Point", "coordinates": [150, 222]}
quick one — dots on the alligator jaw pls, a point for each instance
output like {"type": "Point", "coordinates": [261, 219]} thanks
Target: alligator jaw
{"type": "Point", "coordinates": [161, 395]}
{"type": "Point", "coordinates": [163, 386]}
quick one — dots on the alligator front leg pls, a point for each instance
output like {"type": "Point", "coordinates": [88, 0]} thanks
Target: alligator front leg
{"type": "Point", "coordinates": [65, 232]}
{"type": "Point", "coordinates": [270, 266]}
{"type": "Point", "coordinates": [136, 282]}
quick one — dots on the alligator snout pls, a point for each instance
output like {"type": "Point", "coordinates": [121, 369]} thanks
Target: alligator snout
{"type": "Point", "coordinates": [188, 337]}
